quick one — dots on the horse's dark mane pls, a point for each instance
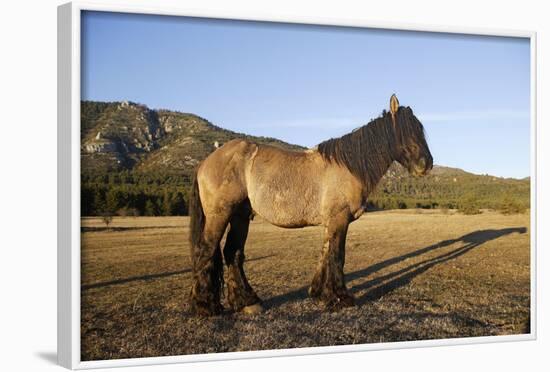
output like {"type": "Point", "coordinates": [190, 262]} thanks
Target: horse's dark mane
{"type": "Point", "coordinates": [369, 150]}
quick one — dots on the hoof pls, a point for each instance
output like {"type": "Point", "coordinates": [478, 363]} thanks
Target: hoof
{"type": "Point", "coordinates": [252, 309]}
{"type": "Point", "coordinates": [339, 303]}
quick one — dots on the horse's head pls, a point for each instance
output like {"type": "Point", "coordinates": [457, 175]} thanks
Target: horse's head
{"type": "Point", "coordinates": [410, 148]}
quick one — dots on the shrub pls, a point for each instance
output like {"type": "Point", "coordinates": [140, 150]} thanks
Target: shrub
{"type": "Point", "coordinates": [469, 210]}
{"type": "Point", "coordinates": [469, 206]}
{"type": "Point", "coordinates": [510, 206]}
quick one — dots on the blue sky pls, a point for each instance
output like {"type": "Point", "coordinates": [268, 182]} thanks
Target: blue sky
{"type": "Point", "coordinates": [304, 84]}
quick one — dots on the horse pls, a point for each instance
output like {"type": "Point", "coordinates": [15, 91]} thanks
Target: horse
{"type": "Point", "coordinates": [324, 186]}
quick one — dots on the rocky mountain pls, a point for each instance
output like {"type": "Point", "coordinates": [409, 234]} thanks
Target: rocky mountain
{"type": "Point", "coordinates": [129, 136]}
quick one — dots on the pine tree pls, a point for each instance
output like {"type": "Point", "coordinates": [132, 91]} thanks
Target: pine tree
{"type": "Point", "coordinates": [150, 208]}
{"type": "Point", "coordinates": [167, 200]}
{"type": "Point", "coordinates": [112, 200]}
{"type": "Point", "coordinates": [178, 206]}
{"type": "Point", "coordinates": [99, 201]}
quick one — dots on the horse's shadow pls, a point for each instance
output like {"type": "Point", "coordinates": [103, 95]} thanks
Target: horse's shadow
{"type": "Point", "coordinates": [387, 283]}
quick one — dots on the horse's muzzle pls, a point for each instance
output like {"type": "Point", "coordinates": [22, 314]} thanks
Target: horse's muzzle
{"type": "Point", "coordinates": [423, 166]}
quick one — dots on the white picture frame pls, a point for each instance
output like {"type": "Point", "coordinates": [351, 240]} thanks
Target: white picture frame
{"type": "Point", "coordinates": [69, 47]}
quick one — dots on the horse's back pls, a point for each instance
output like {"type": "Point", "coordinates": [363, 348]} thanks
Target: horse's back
{"type": "Point", "coordinates": [236, 160]}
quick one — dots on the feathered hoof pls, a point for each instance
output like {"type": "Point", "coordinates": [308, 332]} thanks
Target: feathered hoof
{"type": "Point", "coordinates": [203, 309]}
{"type": "Point", "coordinates": [252, 309]}
{"type": "Point", "coordinates": [314, 292]}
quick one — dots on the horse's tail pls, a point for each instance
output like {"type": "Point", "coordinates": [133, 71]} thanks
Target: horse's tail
{"type": "Point", "coordinates": [196, 213]}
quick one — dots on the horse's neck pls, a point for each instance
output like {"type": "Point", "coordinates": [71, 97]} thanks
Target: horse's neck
{"type": "Point", "coordinates": [379, 160]}
{"type": "Point", "coordinates": [382, 164]}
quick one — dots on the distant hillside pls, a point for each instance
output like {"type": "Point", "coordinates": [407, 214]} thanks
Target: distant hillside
{"type": "Point", "coordinates": [447, 187]}
{"type": "Point", "coordinates": [139, 161]}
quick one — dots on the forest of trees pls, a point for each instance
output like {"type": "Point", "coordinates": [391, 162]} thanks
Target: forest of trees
{"type": "Point", "coordinates": [134, 194]}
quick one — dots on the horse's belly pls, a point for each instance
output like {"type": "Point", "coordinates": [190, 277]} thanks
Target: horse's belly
{"type": "Point", "coordinates": [284, 210]}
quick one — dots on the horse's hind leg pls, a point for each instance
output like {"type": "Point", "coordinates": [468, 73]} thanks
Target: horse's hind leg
{"type": "Point", "coordinates": [328, 282]}
{"type": "Point", "coordinates": [240, 294]}
{"type": "Point", "coordinates": [208, 267]}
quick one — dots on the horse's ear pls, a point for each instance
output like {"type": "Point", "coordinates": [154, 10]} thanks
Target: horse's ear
{"type": "Point", "coordinates": [394, 104]}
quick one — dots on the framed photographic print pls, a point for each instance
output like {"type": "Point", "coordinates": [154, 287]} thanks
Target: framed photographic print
{"type": "Point", "coordinates": [235, 187]}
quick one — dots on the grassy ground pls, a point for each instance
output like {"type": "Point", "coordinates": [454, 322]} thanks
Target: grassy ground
{"type": "Point", "coordinates": [415, 276]}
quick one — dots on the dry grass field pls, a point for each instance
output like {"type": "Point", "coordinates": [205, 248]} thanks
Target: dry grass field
{"type": "Point", "coordinates": [415, 274]}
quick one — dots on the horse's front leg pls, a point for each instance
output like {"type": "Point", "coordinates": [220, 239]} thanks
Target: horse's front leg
{"type": "Point", "coordinates": [328, 282]}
